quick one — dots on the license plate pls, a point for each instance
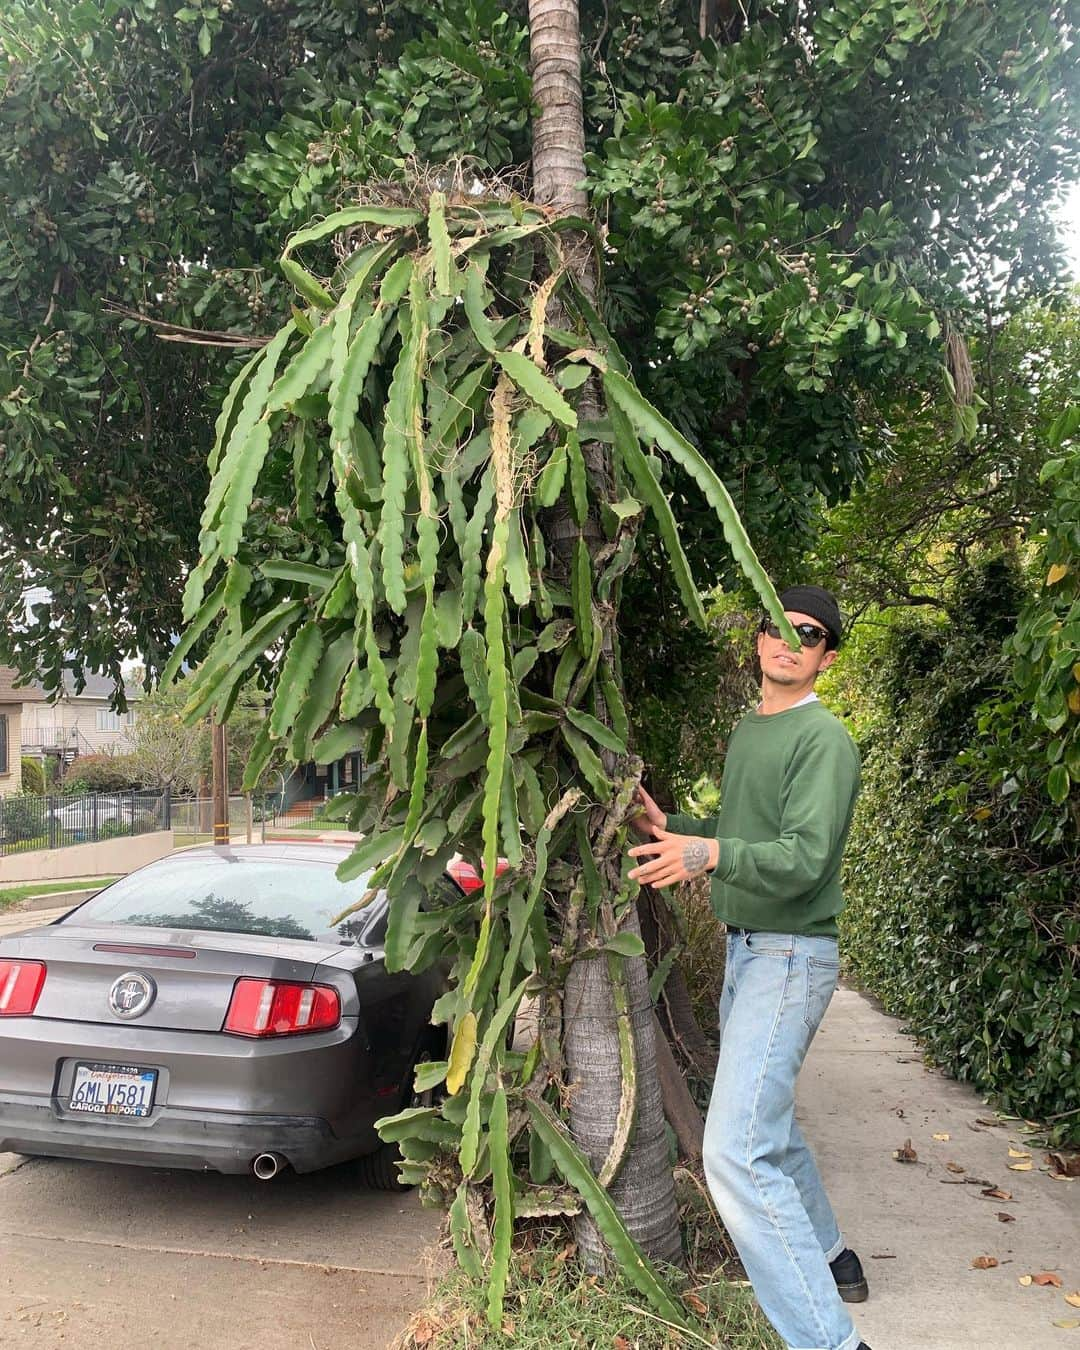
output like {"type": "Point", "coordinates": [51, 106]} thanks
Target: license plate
{"type": "Point", "coordinates": [113, 1090]}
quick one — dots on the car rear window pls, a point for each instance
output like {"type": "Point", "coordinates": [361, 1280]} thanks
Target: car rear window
{"type": "Point", "coordinates": [270, 896]}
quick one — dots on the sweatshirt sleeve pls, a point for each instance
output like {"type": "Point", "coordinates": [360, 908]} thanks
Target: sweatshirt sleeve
{"type": "Point", "coordinates": [706, 826]}
{"type": "Point", "coordinates": [818, 789]}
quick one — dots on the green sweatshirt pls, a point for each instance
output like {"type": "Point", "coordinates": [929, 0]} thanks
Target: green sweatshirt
{"type": "Point", "coordinates": [787, 796]}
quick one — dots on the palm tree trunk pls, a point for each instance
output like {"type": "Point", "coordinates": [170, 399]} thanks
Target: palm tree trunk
{"type": "Point", "coordinates": [641, 1188]}
{"type": "Point", "coordinates": [558, 157]}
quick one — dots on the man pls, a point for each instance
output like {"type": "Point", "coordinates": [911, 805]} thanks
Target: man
{"type": "Point", "coordinates": [790, 780]}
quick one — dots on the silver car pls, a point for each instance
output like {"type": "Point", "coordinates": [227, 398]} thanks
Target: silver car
{"type": "Point", "coordinates": [204, 1012]}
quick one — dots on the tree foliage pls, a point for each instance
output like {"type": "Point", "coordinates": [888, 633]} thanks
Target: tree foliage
{"type": "Point", "coordinates": [791, 206]}
{"type": "Point", "coordinates": [1046, 649]}
{"type": "Point", "coordinates": [962, 879]}
{"type": "Point", "coordinates": [936, 501]}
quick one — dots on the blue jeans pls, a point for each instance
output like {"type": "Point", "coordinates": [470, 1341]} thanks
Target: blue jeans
{"type": "Point", "coordinates": [760, 1171]}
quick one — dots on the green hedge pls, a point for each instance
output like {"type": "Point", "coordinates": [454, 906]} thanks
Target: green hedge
{"type": "Point", "coordinates": [963, 909]}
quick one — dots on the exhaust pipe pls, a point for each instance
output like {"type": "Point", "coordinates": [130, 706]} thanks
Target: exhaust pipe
{"type": "Point", "coordinates": [266, 1166]}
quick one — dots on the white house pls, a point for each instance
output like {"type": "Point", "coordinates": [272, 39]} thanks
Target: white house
{"type": "Point", "coordinates": [78, 723]}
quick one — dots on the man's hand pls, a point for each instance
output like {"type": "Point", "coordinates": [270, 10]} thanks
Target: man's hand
{"type": "Point", "coordinates": [674, 858]}
{"type": "Point", "coordinates": [649, 820]}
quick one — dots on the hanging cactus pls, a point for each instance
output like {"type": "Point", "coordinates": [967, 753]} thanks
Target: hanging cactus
{"type": "Point", "coordinates": [426, 418]}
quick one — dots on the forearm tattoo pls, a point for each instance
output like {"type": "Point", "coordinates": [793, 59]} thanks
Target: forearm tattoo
{"type": "Point", "coordinates": [695, 857]}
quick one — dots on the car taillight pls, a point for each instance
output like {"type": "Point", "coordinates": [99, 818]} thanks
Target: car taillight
{"type": "Point", "coordinates": [467, 876]}
{"type": "Point", "coordinates": [281, 1008]}
{"type": "Point", "coordinates": [21, 983]}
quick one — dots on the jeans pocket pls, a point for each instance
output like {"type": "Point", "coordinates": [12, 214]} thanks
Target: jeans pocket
{"type": "Point", "coordinates": [769, 944]}
{"type": "Point", "coordinates": [821, 978]}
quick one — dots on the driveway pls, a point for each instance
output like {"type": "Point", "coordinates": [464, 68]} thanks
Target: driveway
{"type": "Point", "coordinates": [92, 1254]}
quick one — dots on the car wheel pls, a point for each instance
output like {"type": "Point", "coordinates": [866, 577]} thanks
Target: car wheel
{"type": "Point", "coordinates": [378, 1171]}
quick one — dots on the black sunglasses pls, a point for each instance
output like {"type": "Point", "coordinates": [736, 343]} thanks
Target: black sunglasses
{"type": "Point", "coordinates": [809, 634]}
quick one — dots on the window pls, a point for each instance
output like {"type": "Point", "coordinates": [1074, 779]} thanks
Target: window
{"type": "Point", "coordinates": [272, 896]}
{"type": "Point", "coordinates": [107, 720]}
{"type": "Point", "coordinates": [3, 743]}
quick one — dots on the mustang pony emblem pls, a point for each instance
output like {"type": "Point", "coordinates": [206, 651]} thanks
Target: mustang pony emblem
{"type": "Point", "coordinates": [131, 994]}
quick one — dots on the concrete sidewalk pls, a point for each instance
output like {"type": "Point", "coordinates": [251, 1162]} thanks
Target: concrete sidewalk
{"type": "Point", "coordinates": [918, 1226]}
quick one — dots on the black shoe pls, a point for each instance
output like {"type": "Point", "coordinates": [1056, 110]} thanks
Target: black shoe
{"type": "Point", "coordinates": [863, 1346]}
{"type": "Point", "coordinates": [850, 1281]}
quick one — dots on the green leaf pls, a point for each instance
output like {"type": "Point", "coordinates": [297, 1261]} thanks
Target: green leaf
{"type": "Point", "coordinates": [595, 730]}
{"type": "Point", "coordinates": [589, 763]}
{"type": "Point", "coordinates": [637, 466]}
{"type": "Point", "coordinates": [655, 427]}
{"type": "Point", "coordinates": [297, 672]}
{"type": "Point", "coordinates": [532, 382]}
{"type": "Point", "coordinates": [581, 594]}
{"type": "Point", "coordinates": [280, 569]}
{"type": "Point", "coordinates": [305, 284]}
{"type": "Point", "coordinates": [550, 483]}
{"type": "Point", "coordinates": [462, 1235]}
{"type": "Point", "coordinates": [303, 370]}
{"type": "Point", "coordinates": [399, 216]}
{"type": "Point", "coordinates": [1057, 784]}
{"type": "Point", "coordinates": [439, 239]}
{"type": "Point", "coordinates": [368, 854]}
{"type": "Point", "coordinates": [192, 632]}
{"type": "Point", "coordinates": [498, 1127]}
{"type": "Point", "coordinates": [496, 1029]}
{"type": "Point", "coordinates": [474, 309]}
{"type": "Point", "coordinates": [322, 695]}
{"type": "Point", "coordinates": [625, 944]}
{"type": "Point", "coordinates": [344, 739]}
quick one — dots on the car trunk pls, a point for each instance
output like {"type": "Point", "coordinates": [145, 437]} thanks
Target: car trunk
{"type": "Point", "coordinates": [194, 972]}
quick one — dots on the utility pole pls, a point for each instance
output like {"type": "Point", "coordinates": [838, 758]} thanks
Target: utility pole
{"type": "Point", "coordinates": [219, 790]}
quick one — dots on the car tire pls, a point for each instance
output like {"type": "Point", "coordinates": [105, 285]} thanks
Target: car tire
{"type": "Point", "coordinates": [378, 1171]}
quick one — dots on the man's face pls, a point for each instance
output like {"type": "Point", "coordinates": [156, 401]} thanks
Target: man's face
{"type": "Point", "coordinates": [780, 665]}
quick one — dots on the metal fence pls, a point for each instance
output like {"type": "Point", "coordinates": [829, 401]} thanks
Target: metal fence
{"type": "Point", "coordinates": [251, 818]}
{"type": "Point", "coordinates": [29, 822]}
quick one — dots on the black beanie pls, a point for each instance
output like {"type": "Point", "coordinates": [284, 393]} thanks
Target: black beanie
{"type": "Point", "coordinates": [820, 605]}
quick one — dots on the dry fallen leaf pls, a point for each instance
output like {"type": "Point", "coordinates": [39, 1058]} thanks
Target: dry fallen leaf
{"type": "Point", "coordinates": [1068, 1164]}
{"type": "Point", "coordinates": [1073, 1300]}
{"type": "Point", "coordinates": [1021, 1166]}
{"type": "Point", "coordinates": [984, 1262]}
{"type": "Point", "coordinates": [955, 1167]}
{"type": "Point", "coordinates": [699, 1305]}
{"type": "Point", "coordinates": [1045, 1277]}
{"type": "Point", "coordinates": [1006, 1218]}
{"type": "Point", "coordinates": [943, 1136]}
{"type": "Point", "coordinates": [985, 1120]}
{"type": "Point", "coordinates": [906, 1154]}
{"type": "Point", "coordinates": [1067, 1324]}
{"type": "Point", "coordinates": [620, 1343]}
{"type": "Point", "coordinates": [1019, 1152]}
{"type": "Point", "coordinates": [996, 1193]}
